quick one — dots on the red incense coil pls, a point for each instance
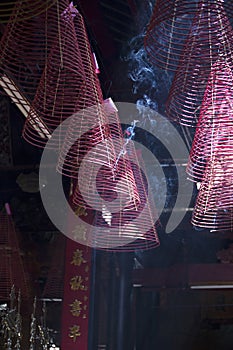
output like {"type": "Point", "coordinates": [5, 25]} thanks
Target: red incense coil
{"type": "Point", "coordinates": [210, 36]}
{"type": "Point", "coordinates": [27, 10]}
{"type": "Point", "coordinates": [136, 224]}
{"type": "Point", "coordinates": [26, 43]}
{"type": "Point", "coordinates": [101, 174]}
{"type": "Point", "coordinates": [61, 85]}
{"type": "Point", "coordinates": [89, 134]}
{"type": "Point", "coordinates": [215, 126]}
{"type": "Point", "coordinates": [12, 270]}
{"type": "Point", "coordinates": [90, 125]}
{"type": "Point", "coordinates": [111, 191]}
{"type": "Point", "coordinates": [130, 225]}
{"type": "Point", "coordinates": [167, 31]}
{"type": "Point", "coordinates": [214, 205]}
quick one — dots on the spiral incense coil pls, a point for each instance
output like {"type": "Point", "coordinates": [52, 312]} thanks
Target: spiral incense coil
{"type": "Point", "coordinates": [210, 36]}
{"type": "Point", "coordinates": [214, 204]}
{"type": "Point", "coordinates": [107, 175]}
{"type": "Point", "coordinates": [123, 225]}
{"type": "Point", "coordinates": [167, 31]}
{"type": "Point", "coordinates": [11, 265]}
{"type": "Point", "coordinates": [112, 196]}
{"type": "Point", "coordinates": [27, 10]}
{"type": "Point", "coordinates": [26, 44]}
{"type": "Point", "coordinates": [97, 157]}
{"type": "Point", "coordinates": [215, 126]}
{"type": "Point", "coordinates": [89, 126]}
{"type": "Point", "coordinates": [137, 225]}
{"type": "Point", "coordinates": [61, 86]}
{"type": "Point", "coordinates": [87, 135]}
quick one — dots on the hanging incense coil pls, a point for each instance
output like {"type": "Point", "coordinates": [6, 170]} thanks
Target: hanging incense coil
{"type": "Point", "coordinates": [99, 172]}
{"type": "Point", "coordinates": [215, 126]}
{"type": "Point", "coordinates": [89, 126]}
{"type": "Point", "coordinates": [126, 224]}
{"type": "Point", "coordinates": [130, 228]}
{"type": "Point", "coordinates": [69, 85]}
{"type": "Point", "coordinates": [210, 36]}
{"type": "Point", "coordinates": [12, 269]}
{"type": "Point", "coordinates": [167, 31]}
{"type": "Point", "coordinates": [61, 85]}
{"type": "Point", "coordinates": [27, 10]}
{"type": "Point", "coordinates": [214, 205]}
{"type": "Point", "coordinates": [25, 46]}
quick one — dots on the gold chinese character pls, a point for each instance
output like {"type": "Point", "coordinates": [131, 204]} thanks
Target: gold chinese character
{"type": "Point", "coordinates": [76, 283]}
{"type": "Point", "coordinates": [79, 233]}
{"type": "Point", "coordinates": [86, 268]}
{"type": "Point", "coordinates": [85, 307]}
{"type": "Point", "coordinates": [84, 316]}
{"type": "Point", "coordinates": [78, 258]}
{"type": "Point", "coordinates": [76, 308]}
{"type": "Point", "coordinates": [80, 211]}
{"type": "Point", "coordinates": [74, 332]}
{"type": "Point", "coordinates": [85, 298]}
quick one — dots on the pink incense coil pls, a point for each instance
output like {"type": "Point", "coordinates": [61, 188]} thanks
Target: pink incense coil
{"type": "Point", "coordinates": [210, 36]}
{"type": "Point", "coordinates": [61, 86]}
{"type": "Point", "coordinates": [36, 8]}
{"type": "Point", "coordinates": [26, 44]}
{"type": "Point", "coordinates": [104, 174]}
{"type": "Point", "coordinates": [214, 205]}
{"type": "Point", "coordinates": [205, 147]}
{"type": "Point", "coordinates": [129, 226]}
{"type": "Point", "coordinates": [95, 142]}
{"type": "Point", "coordinates": [167, 31]}
{"type": "Point", "coordinates": [215, 126]}
{"type": "Point", "coordinates": [11, 265]}
{"type": "Point", "coordinates": [90, 125]}
{"type": "Point", "coordinates": [118, 184]}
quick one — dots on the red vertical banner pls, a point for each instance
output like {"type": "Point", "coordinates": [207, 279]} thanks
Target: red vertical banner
{"type": "Point", "coordinates": [76, 297]}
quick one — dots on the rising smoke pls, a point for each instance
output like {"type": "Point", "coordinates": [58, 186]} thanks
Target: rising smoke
{"type": "Point", "coordinates": [151, 87]}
